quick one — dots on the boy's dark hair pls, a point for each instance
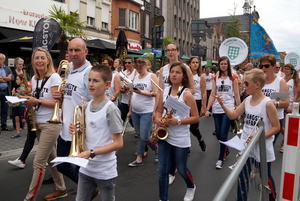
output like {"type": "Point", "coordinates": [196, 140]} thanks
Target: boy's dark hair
{"type": "Point", "coordinates": [185, 79]}
{"type": "Point", "coordinates": [104, 70]}
{"type": "Point", "coordinates": [129, 57]}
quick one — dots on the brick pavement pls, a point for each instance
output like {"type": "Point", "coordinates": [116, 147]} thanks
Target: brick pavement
{"type": "Point", "coordinates": [13, 147]}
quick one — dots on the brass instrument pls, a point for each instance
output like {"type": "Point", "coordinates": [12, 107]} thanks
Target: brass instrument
{"type": "Point", "coordinates": [125, 81]}
{"type": "Point", "coordinates": [63, 71]}
{"type": "Point", "coordinates": [245, 143]}
{"type": "Point", "coordinates": [237, 126]}
{"type": "Point", "coordinates": [161, 133]}
{"type": "Point", "coordinates": [78, 139]}
{"type": "Point", "coordinates": [30, 115]}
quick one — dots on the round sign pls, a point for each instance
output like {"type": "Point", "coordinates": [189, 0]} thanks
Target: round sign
{"type": "Point", "coordinates": [235, 49]}
{"type": "Point", "coordinates": [293, 58]}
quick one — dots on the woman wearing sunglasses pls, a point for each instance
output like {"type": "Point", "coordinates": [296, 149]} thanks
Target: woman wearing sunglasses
{"type": "Point", "coordinates": [274, 83]}
{"type": "Point", "coordinates": [227, 85]}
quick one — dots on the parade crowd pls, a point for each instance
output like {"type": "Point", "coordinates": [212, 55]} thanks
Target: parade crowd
{"type": "Point", "coordinates": [114, 93]}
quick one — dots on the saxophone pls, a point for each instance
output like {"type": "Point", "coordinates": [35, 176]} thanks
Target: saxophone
{"type": "Point", "coordinates": [161, 133]}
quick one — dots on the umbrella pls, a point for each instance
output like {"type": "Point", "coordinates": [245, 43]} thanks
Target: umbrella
{"type": "Point", "coordinates": [121, 46]}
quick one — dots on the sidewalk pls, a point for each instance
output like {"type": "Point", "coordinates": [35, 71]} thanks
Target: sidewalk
{"type": "Point", "coordinates": [12, 147]}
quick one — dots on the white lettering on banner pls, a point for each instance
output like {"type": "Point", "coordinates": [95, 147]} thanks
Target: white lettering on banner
{"type": "Point", "coordinates": [45, 32]}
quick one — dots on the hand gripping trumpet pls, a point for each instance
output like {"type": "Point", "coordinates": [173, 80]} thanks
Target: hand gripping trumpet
{"type": "Point", "coordinates": [246, 143]}
{"type": "Point", "coordinates": [63, 71]}
{"type": "Point", "coordinates": [78, 139]}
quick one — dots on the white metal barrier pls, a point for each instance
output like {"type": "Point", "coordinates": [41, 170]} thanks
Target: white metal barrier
{"type": "Point", "coordinates": [289, 187]}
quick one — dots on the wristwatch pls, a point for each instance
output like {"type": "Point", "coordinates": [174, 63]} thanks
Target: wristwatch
{"type": "Point", "coordinates": [92, 155]}
{"type": "Point", "coordinates": [178, 121]}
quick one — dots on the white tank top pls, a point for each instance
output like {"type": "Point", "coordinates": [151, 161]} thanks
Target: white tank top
{"type": "Point", "coordinates": [252, 114]}
{"type": "Point", "coordinates": [141, 103]}
{"type": "Point", "coordinates": [165, 75]}
{"type": "Point", "coordinates": [290, 85]}
{"type": "Point", "coordinates": [197, 82]}
{"type": "Point", "coordinates": [268, 89]}
{"type": "Point", "coordinates": [111, 90]}
{"type": "Point", "coordinates": [75, 89]}
{"type": "Point", "coordinates": [98, 134]}
{"type": "Point", "coordinates": [125, 96]}
{"type": "Point", "coordinates": [179, 135]}
{"type": "Point", "coordinates": [209, 80]}
{"type": "Point", "coordinates": [225, 88]}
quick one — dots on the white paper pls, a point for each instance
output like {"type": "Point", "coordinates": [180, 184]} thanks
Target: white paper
{"type": "Point", "coordinates": [235, 143]}
{"type": "Point", "coordinates": [279, 95]}
{"type": "Point", "coordinates": [82, 162]}
{"type": "Point", "coordinates": [177, 107]}
{"type": "Point", "coordinates": [15, 99]}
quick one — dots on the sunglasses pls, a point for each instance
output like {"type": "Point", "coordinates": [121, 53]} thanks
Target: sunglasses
{"type": "Point", "coordinates": [247, 83]}
{"type": "Point", "coordinates": [127, 62]}
{"type": "Point", "coordinates": [266, 66]}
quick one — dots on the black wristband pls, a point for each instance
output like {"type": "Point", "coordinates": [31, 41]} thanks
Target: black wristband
{"type": "Point", "coordinates": [92, 155]}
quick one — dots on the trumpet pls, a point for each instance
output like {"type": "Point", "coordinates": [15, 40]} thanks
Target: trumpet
{"type": "Point", "coordinates": [63, 71]}
{"type": "Point", "coordinates": [78, 139]}
{"type": "Point", "coordinates": [246, 143]}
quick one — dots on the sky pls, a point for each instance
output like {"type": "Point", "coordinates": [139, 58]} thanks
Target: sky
{"type": "Point", "coordinates": [280, 19]}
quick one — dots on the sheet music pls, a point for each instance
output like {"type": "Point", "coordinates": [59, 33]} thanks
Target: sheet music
{"type": "Point", "coordinates": [235, 143]}
{"type": "Point", "coordinates": [82, 162]}
{"type": "Point", "coordinates": [177, 107]}
{"type": "Point", "coordinates": [15, 99]}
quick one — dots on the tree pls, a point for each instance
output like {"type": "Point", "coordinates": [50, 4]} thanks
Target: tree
{"type": "Point", "coordinates": [70, 25]}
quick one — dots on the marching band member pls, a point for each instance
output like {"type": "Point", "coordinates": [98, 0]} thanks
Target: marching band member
{"type": "Point", "coordinates": [44, 82]}
{"type": "Point", "coordinates": [141, 108]}
{"type": "Point", "coordinates": [227, 85]}
{"type": "Point", "coordinates": [200, 96]}
{"type": "Point", "coordinates": [174, 149]}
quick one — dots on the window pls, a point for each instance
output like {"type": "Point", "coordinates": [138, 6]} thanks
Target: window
{"type": "Point", "coordinates": [122, 14]}
{"type": "Point", "coordinates": [105, 25]}
{"type": "Point", "coordinates": [90, 21]}
{"type": "Point", "coordinates": [133, 20]}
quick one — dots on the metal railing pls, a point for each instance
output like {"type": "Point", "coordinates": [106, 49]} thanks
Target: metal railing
{"type": "Point", "coordinates": [229, 183]}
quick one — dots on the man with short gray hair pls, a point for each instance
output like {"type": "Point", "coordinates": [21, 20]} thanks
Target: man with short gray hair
{"type": "Point", "coordinates": [248, 66]}
{"type": "Point", "coordinates": [5, 77]}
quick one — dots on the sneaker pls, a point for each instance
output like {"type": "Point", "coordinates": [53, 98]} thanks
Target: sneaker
{"type": "Point", "coordinates": [219, 164]}
{"type": "Point", "coordinates": [202, 145]}
{"type": "Point", "coordinates": [56, 194]}
{"type": "Point", "coordinates": [189, 195]}
{"type": "Point", "coordinates": [281, 149]}
{"type": "Point", "coordinates": [171, 179]}
{"type": "Point", "coordinates": [156, 158]}
{"type": "Point", "coordinates": [18, 163]}
{"type": "Point", "coordinates": [134, 164]}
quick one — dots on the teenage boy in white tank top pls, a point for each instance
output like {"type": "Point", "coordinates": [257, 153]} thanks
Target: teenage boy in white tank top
{"type": "Point", "coordinates": [255, 106]}
{"type": "Point", "coordinates": [103, 137]}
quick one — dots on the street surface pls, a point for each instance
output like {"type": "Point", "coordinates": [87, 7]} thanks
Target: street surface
{"type": "Point", "coordinates": [134, 183]}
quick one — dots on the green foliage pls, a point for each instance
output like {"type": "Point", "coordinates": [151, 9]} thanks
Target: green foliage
{"type": "Point", "coordinates": [167, 40]}
{"type": "Point", "coordinates": [233, 28]}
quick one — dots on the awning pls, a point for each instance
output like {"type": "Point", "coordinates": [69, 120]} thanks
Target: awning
{"type": "Point", "coordinates": [18, 39]}
{"type": "Point", "coordinates": [100, 44]}
{"type": "Point", "coordinates": [8, 33]}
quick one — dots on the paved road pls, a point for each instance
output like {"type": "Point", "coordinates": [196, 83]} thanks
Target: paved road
{"type": "Point", "coordinates": [133, 183]}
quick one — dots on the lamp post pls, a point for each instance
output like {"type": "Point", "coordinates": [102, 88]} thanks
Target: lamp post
{"type": "Point", "coordinates": [198, 31]}
{"type": "Point", "coordinates": [247, 13]}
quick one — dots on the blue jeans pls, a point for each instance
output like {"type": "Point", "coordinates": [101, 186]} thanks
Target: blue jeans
{"type": "Point", "coordinates": [63, 149]}
{"type": "Point", "coordinates": [4, 108]}
{"type": "Point", "coordinates": [87, 185]}
{"type": "Point", "coordinates": [222, 125]}
{"type": "Point", "coordinates": [170, 154]}
{"type": "Point", "coordinates": [243, 181]}
{"type": "Point", "coordinates": [142, 124]}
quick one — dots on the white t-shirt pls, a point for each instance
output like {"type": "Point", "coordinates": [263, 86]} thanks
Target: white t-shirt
{"type": "Point", "coordinates": [290, 85]}
{"type": "Point", "coordinates": [75, 88]}
{"type": "Point", "coordinates": [268, 89]}
{"type": "Point", "coordinates": [43, 114]}
{"type": "Point", "coordinates": [225, 88]}
{"type": "Point", "coordinates": [141, 103]}
{"type": "Point", "coordinates": [252, 114]}
{"type": "Point", "coordinates": [197, 82]}
{"type": "Point", "coordinates": [98, 134]}
{"type": "Point", "coordinates": [165, 75]}
{"type": "Point", "coordinates": [179, 135]}
{"type": "Point", "coordinates": [209, 80]}
{"type": "Point", "coordinates": [111, 90]}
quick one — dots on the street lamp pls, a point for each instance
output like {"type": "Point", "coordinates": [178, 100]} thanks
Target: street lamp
{"type": "Point", "coordinates": [198, 30]}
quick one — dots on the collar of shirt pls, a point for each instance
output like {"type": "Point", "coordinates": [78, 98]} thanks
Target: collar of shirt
{"type": "Point", "coordinates": [81, 68]}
